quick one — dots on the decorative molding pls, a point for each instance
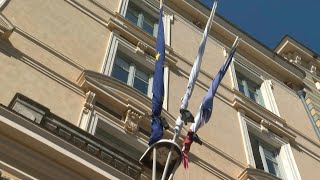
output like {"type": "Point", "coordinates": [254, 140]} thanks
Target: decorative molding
{"type": "Point", "coordinates": [269, 100]}
{"type": "Point", "coordinates": [287, 162]}
{"type": "Point", "coordinates": [87, 110]}
{"type": "Point", "coordinates": [131, 123]}
{"type": "Point", "coordinates": [6, 27]}
{"type": "Point", "coordinates": [141, 48]}
{"type": "Point", "coordinates": [252, 173]}
{"type": "Point", "coordinates": [82, 141]}
{"type": "Point", "coordinates": [313, 69]}
{"type": "Point", "coordinates": [246, 139]}
{"type": "Point", "coordinates": [261, 115]}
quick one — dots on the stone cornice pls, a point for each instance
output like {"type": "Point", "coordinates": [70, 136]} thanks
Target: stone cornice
{"type": "Point", "coordinates": [251, 173]}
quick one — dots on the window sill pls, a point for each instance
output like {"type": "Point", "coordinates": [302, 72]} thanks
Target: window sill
{"type": "Point", "coordinates": [252, 173]}
{"type": "Point", "coordinates": [262, 115]}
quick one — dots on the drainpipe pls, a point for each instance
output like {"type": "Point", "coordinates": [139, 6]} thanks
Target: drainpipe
{"type": "Point", "coordinates": [301, 95]}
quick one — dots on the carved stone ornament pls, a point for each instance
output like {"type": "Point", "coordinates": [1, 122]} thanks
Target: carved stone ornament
{"type": "Point", "coordinates": [297, 59]}
{"type": "Point", "coordinates": [131, 123]}
{"type": "Point", "coordinates": [89, 100]}
{"type": "Point", "coordinates": [313, 69]}
{"type": "Point", "coordinates": [141, 48]}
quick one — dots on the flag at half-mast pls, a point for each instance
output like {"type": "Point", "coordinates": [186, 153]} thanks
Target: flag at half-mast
{"type": "Point", "coordinates": [157, 88]}
{"type": "Point", "coordinates": [206, 106]}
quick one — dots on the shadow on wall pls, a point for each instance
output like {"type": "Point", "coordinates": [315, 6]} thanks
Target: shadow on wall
{"type": "Point", "coordinates": [208, 167]}
{"type": "Point", "coordinates": [7, 48]}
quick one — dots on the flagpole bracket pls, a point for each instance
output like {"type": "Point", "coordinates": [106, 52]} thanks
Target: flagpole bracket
{"type": "Point", "coordinates": [186, 116]}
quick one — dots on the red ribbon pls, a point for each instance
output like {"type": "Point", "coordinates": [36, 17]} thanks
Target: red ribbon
{"type": "Point", "coordinates": [186, 148]}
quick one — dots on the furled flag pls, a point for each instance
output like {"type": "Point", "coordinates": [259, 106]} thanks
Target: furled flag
{"type": "Point", "coordinates": [196, 66]}
{"type": "Point", "coordinates": [157, 89]}
{"type": "Point", "coordinates": [205, 109]}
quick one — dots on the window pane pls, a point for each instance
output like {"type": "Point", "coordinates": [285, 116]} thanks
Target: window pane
{"type": "Point", "coordinates": [253, 95]}
{"type": "Point", "coordinates": [256, 153]}
{"type": "Point", "coordinates": [273, 167]}
{"type": "Point", "coordinates": [241, 87]}
{"type": "Point", "coordinates": [132, 13]}
{"type": "Point", "coordinates": [120, 70]}
{"type": "Point", "coordinates": [148, 28]}
{"type": "Point", "coordinates": [132, 17]}
{"type": "Point", "coordinates": [141, 81]}
{"type": "Point", "coordinates": [142, 75]}
{"type": "Point", "coordinates": [140, 85]}
{"type": "Point", "coordinates": [148, 23]}
{"type": "Point", "coordinates": [141, 18]}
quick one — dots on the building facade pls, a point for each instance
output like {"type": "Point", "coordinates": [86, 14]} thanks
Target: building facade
{"type": "Point", "coordinates": [76, 86]}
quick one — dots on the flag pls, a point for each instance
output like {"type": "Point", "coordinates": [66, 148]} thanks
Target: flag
{"type": "Point", "coordinates": [206, 106]}
{"type": "Point", "coordinates": [158, 89]}
{"type": "Point", "coordinates": [196, 66]}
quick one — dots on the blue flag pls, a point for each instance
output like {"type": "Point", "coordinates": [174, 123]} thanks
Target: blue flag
{"type": "Point", "coordinates": [205, 110]}
{"type": "Point", "coordinates": [158, 89]}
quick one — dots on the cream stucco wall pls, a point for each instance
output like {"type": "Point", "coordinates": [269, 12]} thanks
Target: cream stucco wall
{"type": "Point", "coordinates": [54, 42]}
{"type": "Point", "coordinates": [17, 76]}
{"type": "Point", "coordinates": [307, 165]}
{"type": "Point", "coordinates": [291, 109]}
{"type": "Point", "coordinates": [63, 27]}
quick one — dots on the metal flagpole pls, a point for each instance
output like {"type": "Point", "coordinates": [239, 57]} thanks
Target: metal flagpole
{"type": "Point", "coordinates": [179, 121]}
{"type": "Point", "coordinates": [154, 159]}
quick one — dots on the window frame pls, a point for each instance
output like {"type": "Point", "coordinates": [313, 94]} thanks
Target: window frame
{"type": "Point", "coordinates": [116, 130]}
{"type": "Point", "coordinates": [132, 72]}
{"type": "Point", "coordinates": [287, 165]}
{"type": "Point", "coordinates": [266, 85]}
{"type": "Point", "coordinates": [153, 9]}
{"type": "Point", "coordinates": [118, 43]}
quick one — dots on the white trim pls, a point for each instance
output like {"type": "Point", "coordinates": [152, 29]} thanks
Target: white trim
{"type": "Point", "coordinates": [282, 47]}
{"type": "Point", "coordinates": [246, 140]}
{"type": "Point", "coordinates": [166, 87]}
{"type": "Point", "coordinates": [265, 88]}
{"type": "Point", "coordinates": [269, 101]}
{"type": "Point", "coordinates": [287, 165]}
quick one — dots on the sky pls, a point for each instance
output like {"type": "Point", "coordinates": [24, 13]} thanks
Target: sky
{"type": "Point", "coordinates": [269, 20]}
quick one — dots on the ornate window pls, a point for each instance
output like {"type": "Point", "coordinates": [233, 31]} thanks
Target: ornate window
{"type": "Point", "coordinates": [133, 66]}
{"type": "Point", "coordinates": [145, 15]}
{"type": "Point", "coordinates": [254, 86]}
{"type": "Point", "coordinates": [142, 18]}
{"type": "Point", "coordinates": [266, 150]}
{"type": "Point", "coordinates": [265, 156]}
{"type": "Point", "coordinates": [250, 88]}
{"type": "Point", "coordinates": [125, 70]}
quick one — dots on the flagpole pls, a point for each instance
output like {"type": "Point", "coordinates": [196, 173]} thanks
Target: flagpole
{"type": "Point", "coordinates": [154, 158]}
{"type": "Point", "coordinates": [196, 67]}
